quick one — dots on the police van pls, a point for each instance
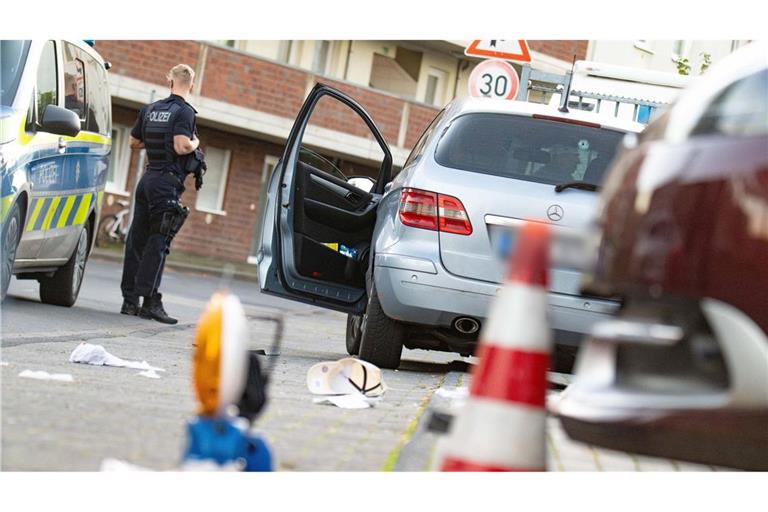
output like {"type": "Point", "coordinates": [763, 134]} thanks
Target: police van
{"type": "Point", "coordinates": [55, 145]}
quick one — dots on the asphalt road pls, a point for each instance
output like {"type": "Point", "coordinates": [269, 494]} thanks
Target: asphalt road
{"type": "Point", "coordinates": [24, 318]}
{"type": "Point", "coordinates": [116, 413]}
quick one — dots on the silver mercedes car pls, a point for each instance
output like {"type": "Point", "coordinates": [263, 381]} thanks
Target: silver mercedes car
{"type": "Point", "coordinates": [415, 259]}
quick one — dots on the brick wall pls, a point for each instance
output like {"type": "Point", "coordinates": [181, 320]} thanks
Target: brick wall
{"type": "Point", "coordinates": [253, 83]}
{"type": "Point", "coordinates": [147, 60]}
{"type": "Point", "coordinates": [418, 119]}
{"type": "Point", "coordinates": [561, 49]}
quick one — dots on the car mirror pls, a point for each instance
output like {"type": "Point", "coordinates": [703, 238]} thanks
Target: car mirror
{"type": "Point", "coordinates": [60, 121]}
{"type": "Point", "coordinates": [364, 183]}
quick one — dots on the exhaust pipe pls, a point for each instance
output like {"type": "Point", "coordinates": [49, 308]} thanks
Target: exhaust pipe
{"type": "Point", "coordinates": [466, 325]}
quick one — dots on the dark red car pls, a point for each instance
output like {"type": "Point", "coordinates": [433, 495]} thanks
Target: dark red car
{"type": "Point", "coordinates": [682, 371]}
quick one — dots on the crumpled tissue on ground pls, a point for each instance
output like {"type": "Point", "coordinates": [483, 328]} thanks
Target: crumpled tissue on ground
{"type": "Point", "coordinates": [97, 355]}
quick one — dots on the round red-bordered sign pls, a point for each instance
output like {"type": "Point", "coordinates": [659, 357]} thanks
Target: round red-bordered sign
{"type": "Point", "coordinates": [494, 79]}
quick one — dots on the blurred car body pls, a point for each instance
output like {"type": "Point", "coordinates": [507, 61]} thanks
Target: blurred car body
{"type": "Point", "coordinates": [682, 372]}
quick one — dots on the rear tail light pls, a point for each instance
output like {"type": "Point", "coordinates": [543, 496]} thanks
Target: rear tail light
{"type": "Point", "coordinates": [436, 212]}
{"type": "Point", "coordinates": [453, 216]}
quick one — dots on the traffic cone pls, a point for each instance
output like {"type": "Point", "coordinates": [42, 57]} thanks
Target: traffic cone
{"type": "Point", "coordinates": [502, 425]}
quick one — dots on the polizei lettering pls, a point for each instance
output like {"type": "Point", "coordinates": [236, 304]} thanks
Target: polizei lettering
{"type": "Point", "coordinates": [159, 117]}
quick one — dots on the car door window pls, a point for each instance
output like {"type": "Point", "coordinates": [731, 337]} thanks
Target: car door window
{"type": "Point", "coordinates": [740, 110]}
{"type": "Point", "coordinates": [97, 99]}
{"type": "Point", "coordinates": [75, 82]}
{"type": "Point", "coordinates": [418, 148]}
{"type": "Point", "coordinates": [46, 89]}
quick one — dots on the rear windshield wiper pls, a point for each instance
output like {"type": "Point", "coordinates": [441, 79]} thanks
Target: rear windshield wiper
{"type": "Point", "coordinates": [576, 184]}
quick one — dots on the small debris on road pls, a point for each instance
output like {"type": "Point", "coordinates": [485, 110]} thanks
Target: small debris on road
{"type": "Point", "coordinates": [352, 401]}
{"type": "Point", "coordinates": [97, 355]}
{"type": "Point", "coordinates": [150, 374]}
{"type": "Point", "coordinates": [42, 375]}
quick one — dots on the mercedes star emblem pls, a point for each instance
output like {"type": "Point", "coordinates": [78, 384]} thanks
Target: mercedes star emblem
{"type": "Point", "coordinates": [555, 212]}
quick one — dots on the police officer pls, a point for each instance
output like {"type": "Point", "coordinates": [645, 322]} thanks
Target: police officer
{"type": "Point", "coordinates": [167, 130]}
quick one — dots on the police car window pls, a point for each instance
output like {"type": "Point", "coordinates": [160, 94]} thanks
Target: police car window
{"type": "Point", "coordinates": [46, 90]}
{"type": "Point", "coordinates": [740, 110]}
{"type": "Point", "coordinates": [13, 55]}
{"type": "Point", "coordinates": [74, 81]}
{"type": "Point", "coordinates": [98, 101]}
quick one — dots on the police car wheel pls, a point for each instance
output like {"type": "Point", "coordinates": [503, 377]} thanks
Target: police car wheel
{"type": "Point", "coordinates": [354, 333]}
{"type": "Point", "coordinates": [381, 341]}
{"type": "Point", "coordinates": [63, 287]}
{"type": "Point", "coordinates": [10, 240]}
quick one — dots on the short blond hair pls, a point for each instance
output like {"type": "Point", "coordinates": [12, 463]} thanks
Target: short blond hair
{"type": "Point", "coordinates": [181, 74]}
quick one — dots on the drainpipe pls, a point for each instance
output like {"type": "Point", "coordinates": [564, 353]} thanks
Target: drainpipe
{"type": "Point", "coordinates": [346, 64]}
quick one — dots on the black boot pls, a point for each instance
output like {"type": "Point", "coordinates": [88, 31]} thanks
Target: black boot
{"type": "Point", "coordinates": [153, 309]}
{"type": "Point", "coordinates": [130, 307]}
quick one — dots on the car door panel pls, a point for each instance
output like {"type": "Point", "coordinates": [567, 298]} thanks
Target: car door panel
{"type": "Point", "coordinates": [318, 228]}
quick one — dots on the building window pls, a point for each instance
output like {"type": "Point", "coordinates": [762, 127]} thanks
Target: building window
{"type": "Point", "coordinates": [46, 89]}
{"type": "Point", "coordinates": [117, 172]}
{"type": "Point", "coordinates": [210, 198]}
{"type": "Point", "coordinates": [320, 58]}
{"type": "Point", "coordinates": [435, 87]}
{"type": "Point", "coordinates": [284, 51]}
{"type": "Point", "coordinates": [270, 162]}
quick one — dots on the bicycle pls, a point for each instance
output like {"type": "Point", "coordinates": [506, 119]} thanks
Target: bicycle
{"type": "Point", "coordinates": [115, 226]}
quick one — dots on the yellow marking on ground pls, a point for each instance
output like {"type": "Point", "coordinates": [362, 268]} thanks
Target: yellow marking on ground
{"type": "Point", "coordinates": [35, 213]}
{"type": "Point", "coordinates": [65, 211]}
{"type": "Point", "coordinates": [51, 211]}
{"type": "Point", "coordinates": [82, 211]}
{"type": "Point", "coordinates": [389, 463]}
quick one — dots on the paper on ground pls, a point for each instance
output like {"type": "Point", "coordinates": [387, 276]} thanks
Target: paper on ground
{"type": "Point", "coordinates": [357, 401]}
{"type": "Point", "coordinates": [110, 464]}
{"type": "Point", "coordinates": [149, 374]}
{"type": "Point", "coordinates": [41, 375]}
{"type": "Point", "coordinates": [3, 363]}
{"type": "Point", "coordinates": [97, 355]}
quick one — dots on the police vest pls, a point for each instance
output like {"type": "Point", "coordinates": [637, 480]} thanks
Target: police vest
{"type": "Point", "coordinates": [158, 134]}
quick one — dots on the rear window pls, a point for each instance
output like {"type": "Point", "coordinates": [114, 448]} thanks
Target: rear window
{"type": "Point", "coordinates": [529, 149]}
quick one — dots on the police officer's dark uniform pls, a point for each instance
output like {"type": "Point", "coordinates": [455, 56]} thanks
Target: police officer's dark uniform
{"type": "Point", "coordinates": [157, 202]}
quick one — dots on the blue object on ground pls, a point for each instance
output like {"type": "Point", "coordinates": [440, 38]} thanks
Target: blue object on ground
{"type": "Point", "coordinates": [220, 440]}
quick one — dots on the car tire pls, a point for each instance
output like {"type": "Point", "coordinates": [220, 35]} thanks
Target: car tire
{"type": "Point", "coordinates": [10, 240]}
{"type": "Point", "coordinates": [354, 333]}
{"type": "Point", "coordinates": [381, 341]}
{"type": "Point", "coordinates": [63, 287]}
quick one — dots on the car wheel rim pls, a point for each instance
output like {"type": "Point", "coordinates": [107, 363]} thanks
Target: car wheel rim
{"type": "Point", "coordinates": [80, 254]}
{"type": "Point", "coordinates": [11, 237]}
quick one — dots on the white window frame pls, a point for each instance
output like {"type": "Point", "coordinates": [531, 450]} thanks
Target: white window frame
{"type": "Point", "coordinates": [316, 64]}
{"type": "Point", "coordinates": [441, 80]}
{"type": "Point", "coordinates": [121, 159]}
{"type": "Point", "coordinates": [219, 209]}
{"type": "Point", "coordinates": [268, 160]}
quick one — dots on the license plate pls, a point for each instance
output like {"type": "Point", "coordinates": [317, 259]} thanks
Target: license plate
{"type": "Point", "coordinates": [502, 240]}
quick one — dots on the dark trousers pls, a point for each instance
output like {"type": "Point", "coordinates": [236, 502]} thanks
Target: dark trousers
{"type": "Point", "coordinates": [145, 247]}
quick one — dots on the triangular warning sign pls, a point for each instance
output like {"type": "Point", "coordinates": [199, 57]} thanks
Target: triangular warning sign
{"type": "Point", "coordinates": [506, 49]}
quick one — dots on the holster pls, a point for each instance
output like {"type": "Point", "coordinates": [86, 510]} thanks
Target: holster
{"type": "Point", "coordinates": [173, 219]}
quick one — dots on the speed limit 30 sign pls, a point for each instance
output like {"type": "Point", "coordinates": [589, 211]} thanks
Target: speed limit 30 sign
{"type": "Point", "coordinates": [494, 79]}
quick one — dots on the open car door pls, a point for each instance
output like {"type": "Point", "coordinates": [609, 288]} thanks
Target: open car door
{"type": "Point", "coordinates": [317, 227]}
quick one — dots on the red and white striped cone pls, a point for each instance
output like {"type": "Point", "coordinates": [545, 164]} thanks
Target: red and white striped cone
{"type": "Point", "coordinates": [502, 425]}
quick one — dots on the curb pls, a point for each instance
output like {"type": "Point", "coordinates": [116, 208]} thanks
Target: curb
{"type": "Point", "coordinates": [417, 454]}
{"type": "Point", "coordinates": [108, 255]}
